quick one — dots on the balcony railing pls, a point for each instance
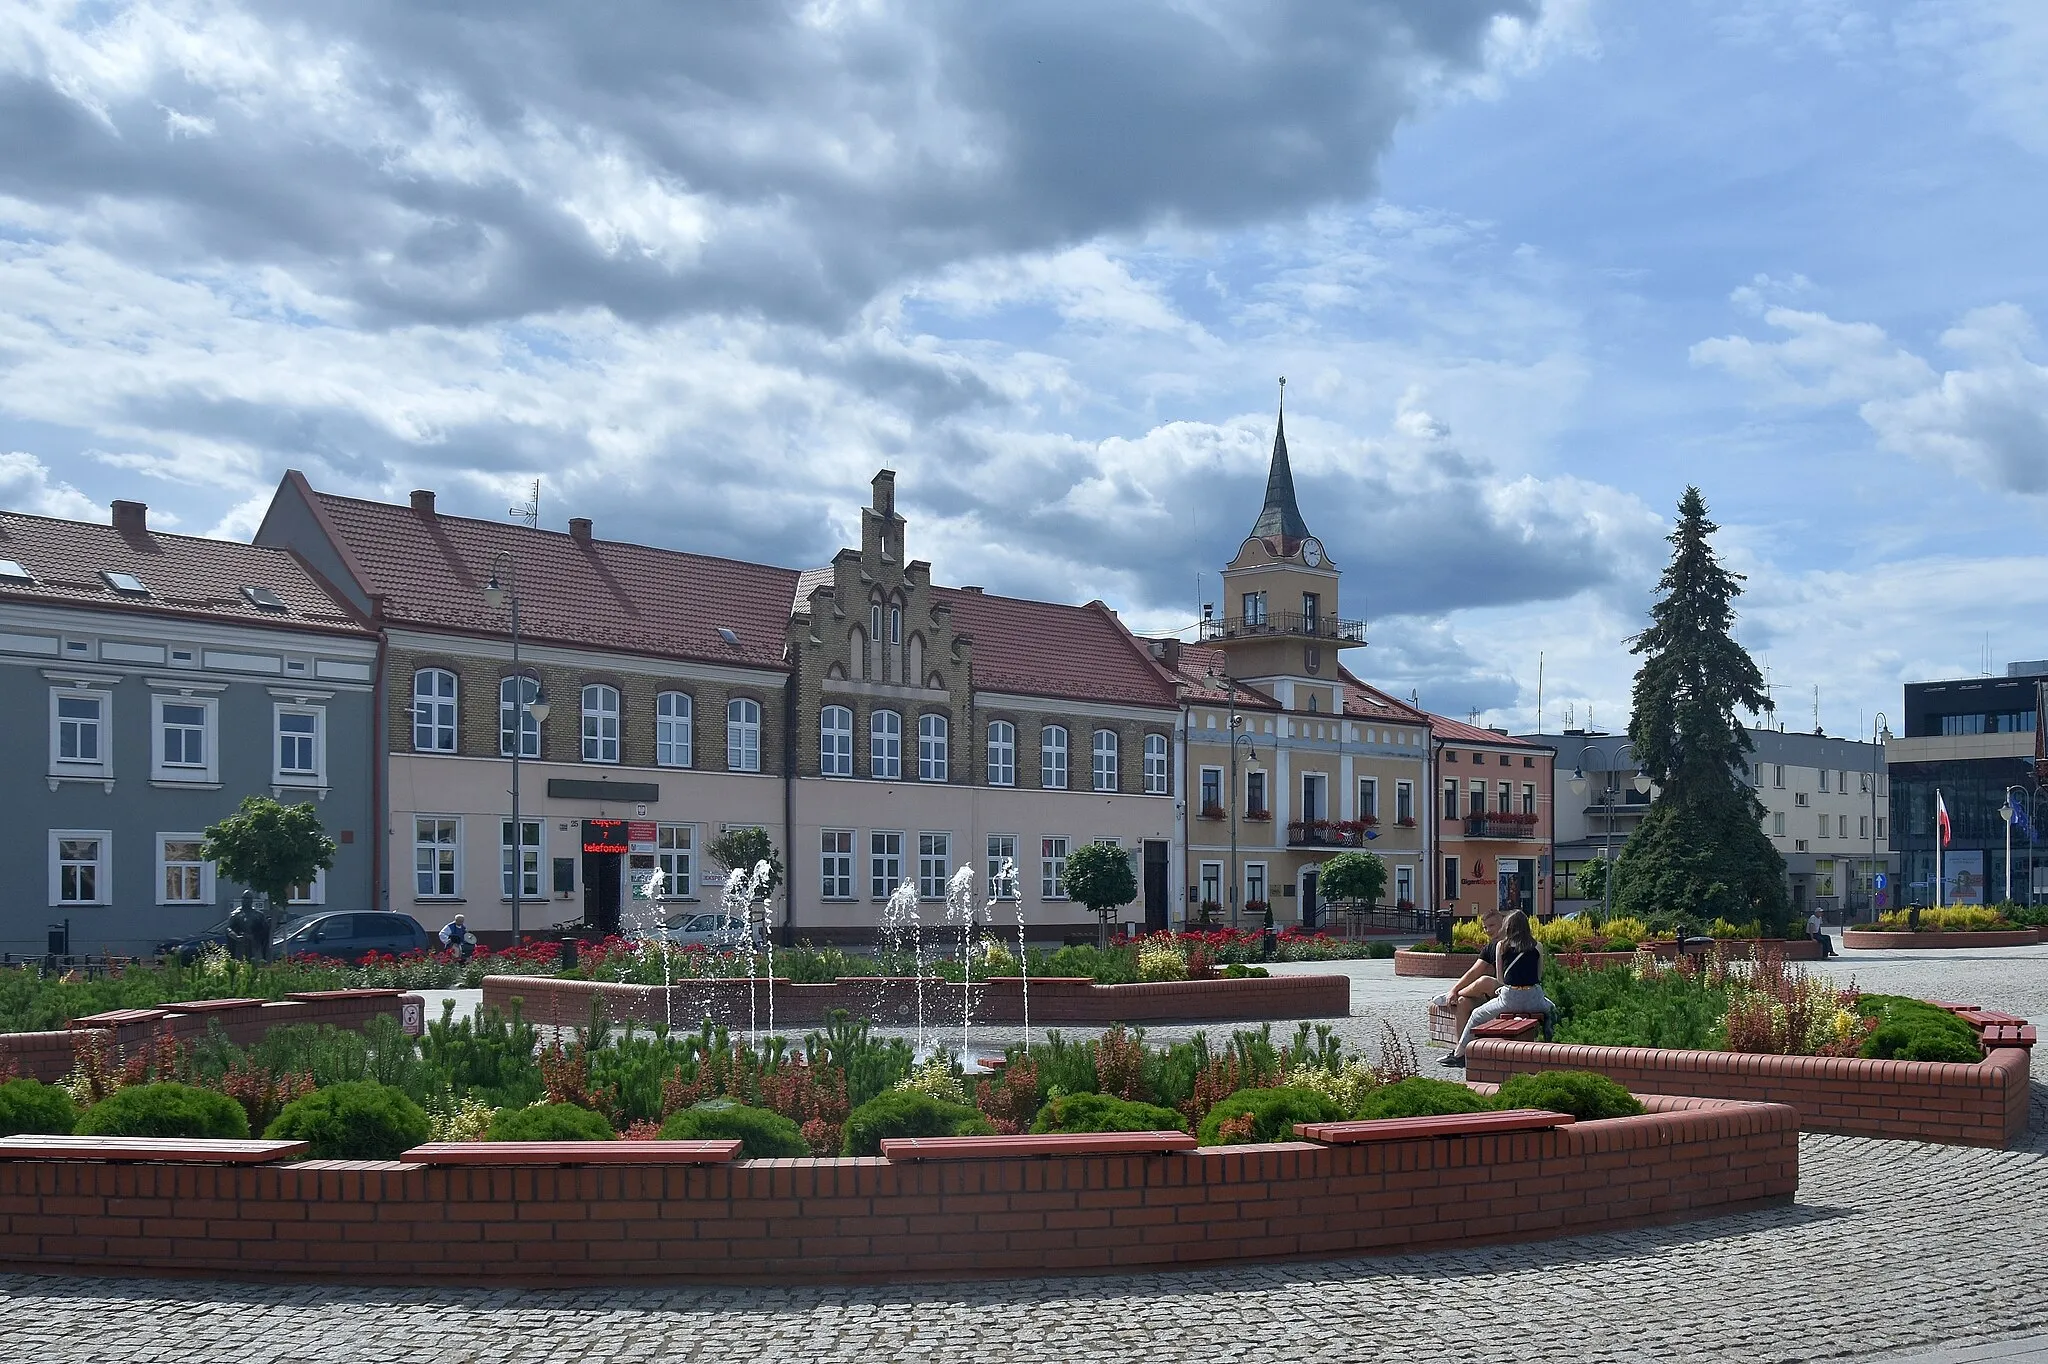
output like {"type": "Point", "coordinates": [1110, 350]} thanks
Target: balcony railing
{"type": "Point", "coordinates": [1500, 826]}
{"type": "Point", "coordinates": [1329, 833]}
{"type": "Point", "coordinates": [1288, 624]}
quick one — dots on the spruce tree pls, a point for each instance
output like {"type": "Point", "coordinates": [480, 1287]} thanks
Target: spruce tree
{"type": "Point", "coordinates": [1701, 852]}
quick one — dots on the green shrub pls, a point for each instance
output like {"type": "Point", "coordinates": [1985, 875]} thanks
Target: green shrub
{"type": "Point", "coordinates": [165, 1110]}
{"type": "Point", "coordinates": [1379, 951]}
{"type": "Point", "coordinates": [908, 1113]}
{"type": "Point", "coordinates": [32, 1106]}
{"type": "Point", "coordinates": [1237, 970]}
{"type": "Point", "coordinates": [549, 1122]}
{"type": "Point", "coordinates": [1914, 1030]}
{"type": "Point", "coordinates": [1608, 1007]}
{"type": "Point", "coordinates": [1420, 1097]}
{"type": "Point", "coordinates": [1105, 1113]}
{"type": "Point", "coordinates": [354, 1120]}
{"type": "Point", "coordinates": [1581, 1093]}
{"type": "Point", "coordinates": [1273, 1113]}
{"type": "Point", "coordinates": [763, 1135]}
{"type": "Point", "coordinates": [1107, 966]}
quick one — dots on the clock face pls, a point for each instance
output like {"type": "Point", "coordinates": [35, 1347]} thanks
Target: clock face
{"type": "Point", "coordinates": [1312, 550]}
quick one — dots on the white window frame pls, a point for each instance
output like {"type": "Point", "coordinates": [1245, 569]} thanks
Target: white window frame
{"type": "Point", "coordinates": [1209, 883]}
{"type": "Point", "coordinates": [934, 739]}
{"type": "Point", "coordinates": [206, 772]}
{"type": "Point", "coordinates": [1777, 824]}
{"type": "Point", "coordinates": [102, 865]}
{"type": "Point", "coordinates": [673, 739]}
{"type": "Point", "coordinates": [600, 723]}
{"type": "Point", "coordinates": [99, 768]}
{"type": "Point", "coordinates": [1315, 796]}
{"type": "Point", "coordinates": [1106, 778]}
{"type": "Point", "coordinates": [835, 864]}
{"type": "Point", "coordinates": [1255, 875]}
{"type": "Point", "coordinates": [1001, 848]}
{"type": "Point", "coordinates": [885, 745]}
{"type": "Point", "coordinates": [1404, 884]}
{"type": "Point", "coordinates": [451, 851]}
{"type": "Point", "coordinates": [164, 865]}
{"type": "Point", "coordinates": [885, 862]}
{"type": "Point", "coordinates": [1528, 797]}
{"type": "Point", "coordinates": [537, 849]}
{"type": "Point", "coordinates": [1880, 828]}
{"type": "Point", "coordinates": [743, 734]}
{"type": "Point", "coordinates": [1053, 747]}
{"type": "Point", "coordinates": [1211, 779]}
{"type": "Point", "coordinates": [676, 861]}
{"type": "Point", "coordinates": [317, 775]}
{"type": "Point", "coordinates": [835, 742]}
{"type": "Point", "coordinates": [1254, 608]}
{"type": "Point", "coordinates": [1368, 798]}
{"type": "Point", "coordinates": [438, 715]}
{"type": "Point", "coordinates": [1052, 867]}
{"type": "Point", "coordinates": [1002, 753]}
{"type": "Point", "coordinates": [514, 718]}
{"type": "Point", "coordinates": [1404, 800]}
{"type": "Point", "coordinates": [934, 864]}
{"type": "Point", "coordinates": [316, 892]}
{"type": "Point", "coordinates": [1824, 779]}
{"type": "Point", "coordinates": [1157, 772]}
{"type": "Point", "coordinates": [1264, 804]}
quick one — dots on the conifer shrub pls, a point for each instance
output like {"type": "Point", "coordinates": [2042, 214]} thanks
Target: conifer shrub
{"type": "Point", "coordinates": [1581, 1093]}
{"type": "Point", "coordinates": [909, 1113]}
{"type": "Point", "coordinates": [1272, 1114]}
{"type": "Point", "coordinates": [1105, 1113]}
{"type": "Point", "coordinates": [30, 1106]}
{"type": "Point", "coordinates": [1420, 1097]}
{"type": "Point", "coordinates": [165, 1110]}
{"type": "Point", "coordinates": [549, 1122]}
{"type": "Point", "coordinates": [354, 1120]}
{"type": "Point", "coordinates": [1914, 1030]}
{"type": "Point", "coordinates": [761, 1133]}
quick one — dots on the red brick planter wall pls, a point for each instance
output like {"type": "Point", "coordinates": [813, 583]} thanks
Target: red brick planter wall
{"type": "Point", "coordinates": [892, 999]}
{"type": "Point", "coordinates": [1949, 1102]}
{"type": "Point", "coordinates": [1869, 939]}
{"type": "Point", "coordinates": [1451, 965]}
{"type": "Point", "coordinates": [48, 1055]}
{"type": "Point", "coordinates": [1432, 965]}
{"type": "Point", "coordinates": [869, 1219]}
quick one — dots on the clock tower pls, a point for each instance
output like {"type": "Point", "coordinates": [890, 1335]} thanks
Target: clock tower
{"type": "Point", "coordinates": [1279, 628]}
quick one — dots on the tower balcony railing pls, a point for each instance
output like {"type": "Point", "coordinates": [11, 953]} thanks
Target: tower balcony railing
{"type": "Point", "coordinates": [1501, 824]}
{"type": "Point", "coordinates": [1285, 625]}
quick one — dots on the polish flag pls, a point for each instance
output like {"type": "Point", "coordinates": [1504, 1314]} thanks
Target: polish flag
{"type": "Point", "coordinates": [1941, 818]}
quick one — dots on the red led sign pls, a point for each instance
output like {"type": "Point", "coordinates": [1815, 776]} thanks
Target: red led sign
{"type": "Point", "coordinates": [604, 835]}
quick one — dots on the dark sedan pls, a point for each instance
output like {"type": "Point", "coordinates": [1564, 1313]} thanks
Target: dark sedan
{"type": "Point", "coordinates": [353, 935]}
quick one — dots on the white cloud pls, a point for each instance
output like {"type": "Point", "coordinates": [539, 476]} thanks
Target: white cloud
{"type": "Point", "coordinates": [26, 486]}
{"type": "Point", "coordinates": [1986, 420]}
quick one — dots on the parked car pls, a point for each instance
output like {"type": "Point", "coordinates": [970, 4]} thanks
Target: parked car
{"type": "Point", "coordinates": [188, 950]}
{"type": "Point", "coordinates": [354, 935]}
{"type": "Point", "coordinates": [714, 930]}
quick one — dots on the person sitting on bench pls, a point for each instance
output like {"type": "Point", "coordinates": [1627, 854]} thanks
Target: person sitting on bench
{"type": "Point", "coordinates": [1520, 960]}
{"type": "Point", "coordinates": [1479, 982]}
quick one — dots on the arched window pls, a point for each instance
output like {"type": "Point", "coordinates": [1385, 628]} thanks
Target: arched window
{"type": "Point", "coordinates": [875, 621]}
{"type": "Point", "coordinates": [515, 694]}
{"type": "Point", "coordinates": [743, 735]}
{"type": "Point", "coordinates": [835, 741]}
{"type": "Point", "coordinates": [1105, 759]}
{"type": "Point", "coordinates": [896, 624]}
{"type": "Point", "coordinates": [1155, 765]}
{"type": "Point", "coordinates": [1002, 753]}
{"type": "Point", "coordinates": [600, 724]}
{"type": "Point", "coordinates": [433, 711]}
{"type": "Point", "coordinates": [1052, 758]}
{"type": "Point", "coordinates": [885, 745]}
{"type": "Point", "coordinates": [672, 716]}
{"type": "Point", "coordinates": [931, 747]}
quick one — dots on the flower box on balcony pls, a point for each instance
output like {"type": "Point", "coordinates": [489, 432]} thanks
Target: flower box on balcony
{"type": "Point", "coordinates": [1406, 821]}
{"type": "Point", "coordinates": [1212, 812]}
{"type": "Point", "coordinates": [1259, 816]}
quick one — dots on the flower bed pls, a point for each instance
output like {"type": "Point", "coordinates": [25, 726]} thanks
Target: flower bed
{"type": "Point", "coordinates": [820, 1219]}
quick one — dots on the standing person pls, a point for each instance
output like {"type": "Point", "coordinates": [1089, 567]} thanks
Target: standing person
{"type": "Point", "coordinates": [1815, 930]}
{"type": "Point", "coordinates": [1519, 958]}
{"type": "Point", "coordinates": [455, 934]}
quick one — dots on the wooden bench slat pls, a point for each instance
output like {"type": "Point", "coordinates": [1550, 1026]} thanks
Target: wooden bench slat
{"type": "Point", "coordinates": [1444, 1125]}
{"type": "Point", "coordinates": [573, 1153]}
{"type": "Point", "coordinates": [211, 1006]}
{"type": "Point", "coordinates": [899, 1149]}
{"type": "Point", "coordinates": [182, 1150]}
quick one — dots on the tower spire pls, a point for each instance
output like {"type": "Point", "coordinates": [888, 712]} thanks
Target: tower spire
{"type": "Point", "coordinates": [1280, 518]}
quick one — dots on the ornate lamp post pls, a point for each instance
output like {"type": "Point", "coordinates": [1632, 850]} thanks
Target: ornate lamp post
{"type": "Point", "coordinates": [1877, 738]}
{"type": "Point", "coordinates": [498, 597]}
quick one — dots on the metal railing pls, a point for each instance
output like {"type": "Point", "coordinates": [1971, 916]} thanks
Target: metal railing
{"type": "Point", "coordinates": [1286, 623]}
{"type": "Point", "coordinates": [1499, 826]}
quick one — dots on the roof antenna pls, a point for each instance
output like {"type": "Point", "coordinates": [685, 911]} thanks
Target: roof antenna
{"type": "Point", "coordinates": [529, 510]}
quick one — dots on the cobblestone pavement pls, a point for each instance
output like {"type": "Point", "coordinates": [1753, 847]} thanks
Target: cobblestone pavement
{"type": "Point", "coordinates": [1893, 1250]}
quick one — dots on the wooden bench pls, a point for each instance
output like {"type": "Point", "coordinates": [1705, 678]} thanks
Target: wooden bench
{"type": "Point", "coordinates": [1511, 1027]}
{"type": "Point", "coordinates": [1442, 1125]}
{"type": "Point", "coordinates": [900, 1149]}
{"type": "Point", "coordinates": [114, 1018]}
{"type": "Point", "coordinates": [180, 1150]}
{"type": "Point", "coordinates": [1978, 1018]}
{"type": "Point", "coordinates": [2006, 1035]}
{"type": "Point", "coordinates": [573, 1153]}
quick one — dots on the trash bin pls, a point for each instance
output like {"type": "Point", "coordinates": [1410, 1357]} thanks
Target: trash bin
{"type": "Point", "coordinates": [568, 951]}
{"type": "Point", "coordinates": [1443, 929]}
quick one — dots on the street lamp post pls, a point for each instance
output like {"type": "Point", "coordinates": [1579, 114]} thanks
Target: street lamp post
{"type": "Point", "coordinates": [2009, 810]}
{"type": "Point", "coordinates": [498, 597]}
{"type": "Point", "coordinates": [1230, 685]}
{"type": "Point", "coordinates": [1877, 731]}
{"type": "Point", "coordinates": [1607, 793]}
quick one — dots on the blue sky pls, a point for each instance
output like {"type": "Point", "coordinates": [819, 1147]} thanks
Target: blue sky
{"type": "Point", "coordinates": [1529, 269]}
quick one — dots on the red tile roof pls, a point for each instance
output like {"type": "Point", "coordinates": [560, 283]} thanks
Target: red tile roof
{"type": "Point", "coordinates": [1036, 648]}
{"type": "Point", "coordinates": [186, 575]}
{"type": "Point", "coordinates": [1370, 703]}
{"type": "Point", "coordinates": [1199, 664]}
{"type": "Point", "coordinates": [1459, 732]}
{"type": "Point", "coordinates": [430, 571]}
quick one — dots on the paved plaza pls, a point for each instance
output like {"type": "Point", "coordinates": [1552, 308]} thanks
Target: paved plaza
{"type": "Point", "coordinates": [1894, 1251]}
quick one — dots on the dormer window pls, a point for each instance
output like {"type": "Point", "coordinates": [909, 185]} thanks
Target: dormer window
{"type": "Point", "coordinates": [263, 599]}
{"type": "Point", "coordinates": [12, 572]}
{"type": "Point", "coordinates": [127, 584]}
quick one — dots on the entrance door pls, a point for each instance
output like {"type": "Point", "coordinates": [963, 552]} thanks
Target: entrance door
{"type": "Point", "coordinates": [1155, 885]}
{"type": "Point", "coordinates": [1799, 901]}
{"type": "Point", "coordinates": [1311, 907]}
{"type": "Point", "coordinates": [601, 891]}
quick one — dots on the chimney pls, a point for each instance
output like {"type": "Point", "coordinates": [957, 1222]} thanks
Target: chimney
{"type": "Point", "coordinates": [579, 529]}
{"type": "Point", "coordinates": [975, 590]}
{"type": "Point", "coordinates": [423, 502]}
{"type": "Point", "coordinates": [885, 492]}
{"type": "Point", "coordinates": [131, 519]}
{"type": "Point", "coordinates": [1170, 654]}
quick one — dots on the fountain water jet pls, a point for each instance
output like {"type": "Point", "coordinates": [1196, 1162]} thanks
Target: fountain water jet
{"type": "Point", "coordinates": [897, 916]}
{"type": "Point", "coordinates": [960, 909]}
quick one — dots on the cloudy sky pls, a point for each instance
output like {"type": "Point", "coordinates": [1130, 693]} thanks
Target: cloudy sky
{"type": "Point", "coordinates": [1530, 267]}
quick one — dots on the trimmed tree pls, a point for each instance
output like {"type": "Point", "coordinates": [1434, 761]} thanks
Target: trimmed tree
{"type": "Point", "coordinates": [269, 847]}
{"type": "Point", "coordinates": [1701, 852]}
{"type": "Point", "coordinates": [1359, 876]}
{"type": "Point", "coordinates": [1099, 876]}
{"type": "Point", "coordinates": [742, 849]}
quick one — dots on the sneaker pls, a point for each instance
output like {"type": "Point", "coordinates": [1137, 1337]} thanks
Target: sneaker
{"type": "Point", "coordinates": [1455, 1062]}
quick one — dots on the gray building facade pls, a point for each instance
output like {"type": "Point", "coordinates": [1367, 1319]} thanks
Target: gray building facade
{"type": "Point", "coordinates": [149, 682]}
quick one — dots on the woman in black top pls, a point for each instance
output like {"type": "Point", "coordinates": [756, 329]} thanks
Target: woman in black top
{"type": "Point", "coordinates": [1518, 965]}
